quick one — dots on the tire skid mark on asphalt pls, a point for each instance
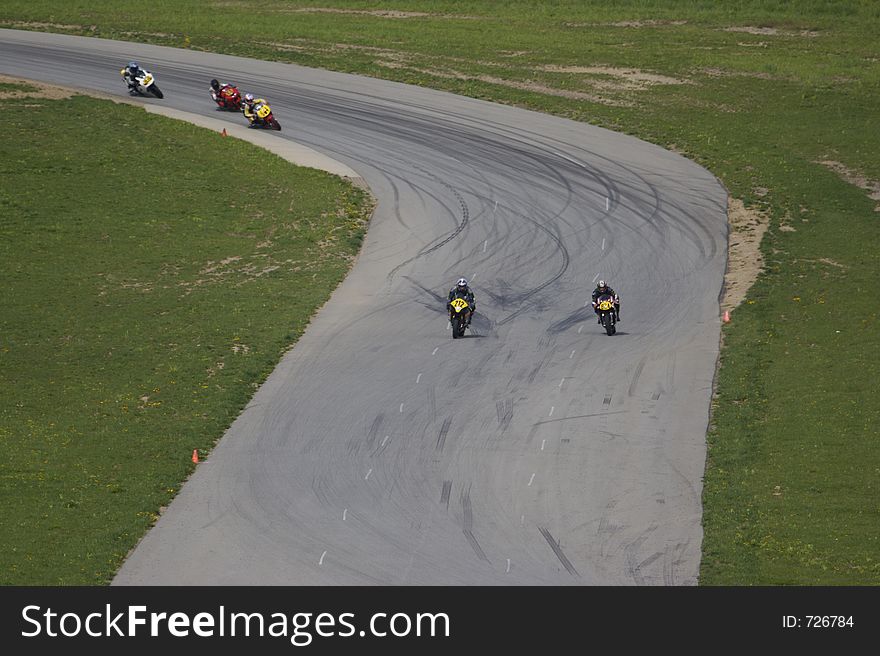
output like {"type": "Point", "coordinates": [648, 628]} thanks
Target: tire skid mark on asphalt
{"type": "Point", "coordinates": [445, 493]}
{"type": "Point", "coordinates": [504, 411]}
{"type": "Point", "coordinates": [638, 372]}
{"type": "Point", "coordinates": [444, 429]}
{"type": "Point", "coordinates": [468, 524]}
{"type": "Point", "coordinates": [460, 226]}
{"type": "Point", "coordinates": [563, 251]}
{"type": "Point", "coordinates": [374, 429]}
{"type": "Point", "coordinates": [630, 551]}
{"type": "Point", "coordinates": [557, 549]}
{"type": "Point", "coordinates": [379, 450]}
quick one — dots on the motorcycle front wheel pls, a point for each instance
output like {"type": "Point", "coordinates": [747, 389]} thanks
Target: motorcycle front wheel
{"type": "Point", "coordinates": [156, 91]}
{"type": "Point", "coordinates": [609, 325]}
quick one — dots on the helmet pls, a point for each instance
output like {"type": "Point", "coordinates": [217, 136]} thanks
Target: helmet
{"type": "Point", "coordinates": [602, 284]}
{"type": "Point", "coordinates": [215, 85]}
{"type": "Point", "coordinates": [462, 282]}
{"type": "Point", "coordinates": [133, 66]}
{"type": "Point", "coordinates": [249, 97]}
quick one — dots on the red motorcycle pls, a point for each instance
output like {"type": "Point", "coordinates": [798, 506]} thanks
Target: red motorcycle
{"type": "Point", "coordinates": [227, 97]}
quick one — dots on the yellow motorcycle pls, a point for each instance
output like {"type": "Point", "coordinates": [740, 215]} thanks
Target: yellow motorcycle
{"type": "Point", "coordinates": [262, 117]}
{"type": "Point", "coordinates": [459, 317]}
{"type": "Point", "coordinates": [607, 317]}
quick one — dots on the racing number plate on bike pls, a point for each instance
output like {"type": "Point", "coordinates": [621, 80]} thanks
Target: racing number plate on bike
{"type": "Point", "coordinates": [263, 111]}
{"type": "Point", "coordinates": [605, 305]}
{"type": "Point", "coordinates": [147, 80]}
{"type": "Point", "coordinates": [459, 304]}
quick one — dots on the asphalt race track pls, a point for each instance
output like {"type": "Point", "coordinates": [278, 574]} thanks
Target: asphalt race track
{"type": "Point", "coordinates": [535, 451]}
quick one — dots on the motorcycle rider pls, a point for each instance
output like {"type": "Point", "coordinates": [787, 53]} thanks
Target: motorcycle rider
{"type": "Point", "coordinates": [218, 90]}
{"type": "Point", "coordinates": [602, 289]}
{"type": "Point", "coordinates": [249, 107]}
{"type": "Point", "coordinates": [462, 290]}
{"type": "Point", "coordinates": [130, 74]}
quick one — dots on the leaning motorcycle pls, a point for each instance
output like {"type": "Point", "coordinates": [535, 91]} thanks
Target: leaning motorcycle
{"type": "Point", "coordinates": [605, 306]}
{"type": "Point", "coordinates": [460, 315]}
{"type": "Point", "coordinates": [262, 117]}
{"type": "Point", "coordinates": [146, 84]}
{"type": "Point", "coordinates": [228, 98]}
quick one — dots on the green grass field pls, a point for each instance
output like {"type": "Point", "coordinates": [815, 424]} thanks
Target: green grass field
{"type": "Point", "coordinates": [152, 277]}
{"type": "Point", "coordinates": [761, 92]}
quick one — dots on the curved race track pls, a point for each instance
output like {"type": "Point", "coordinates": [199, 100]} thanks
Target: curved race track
{"type": "Point", "coordinates": [537, 451]}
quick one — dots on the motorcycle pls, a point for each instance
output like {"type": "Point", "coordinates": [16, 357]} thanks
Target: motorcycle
{"type": "Point", "coordinates": [228, 98]}
{"type": "Point", "coordinates": [146, 84]}
{"type": "Point", "coordinates": [262, 117]}
{"type": "Point", "coordinates": [605, 305]}
{"type": "Point", "coordinates": [460, 318]}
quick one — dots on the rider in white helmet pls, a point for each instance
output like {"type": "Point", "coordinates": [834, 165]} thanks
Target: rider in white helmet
{"type": "Point", "coordinates": [602, 289]}
{"type": "Point", "coordinates": [249, 106]}
{"type": "Point", "coordinates": [462, 290]}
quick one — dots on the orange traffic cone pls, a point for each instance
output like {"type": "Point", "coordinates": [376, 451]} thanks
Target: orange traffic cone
{"type": "Point", "coordinates": [195, 456]}
{"type": "Point", "coordinates": [224, 132]}
{"type": "Point", "coordinates": [726, 317]}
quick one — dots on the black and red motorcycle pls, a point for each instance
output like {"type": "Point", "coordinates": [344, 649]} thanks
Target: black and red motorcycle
{"type": "Point", "coordinates": [227, 97]}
